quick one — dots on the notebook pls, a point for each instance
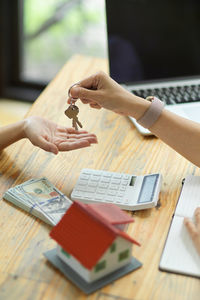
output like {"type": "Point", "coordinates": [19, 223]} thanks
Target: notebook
{"type": "Point", "coordinates": [179, 254]}
{"type": "Point", "coordinates": [154, 49]}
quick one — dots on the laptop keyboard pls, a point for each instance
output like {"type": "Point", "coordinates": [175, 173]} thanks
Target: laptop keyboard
{"type": "Point", "coordinates": [172, 95]}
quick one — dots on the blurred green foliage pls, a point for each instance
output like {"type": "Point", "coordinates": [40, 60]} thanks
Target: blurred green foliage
{"type": "Point", "coordinates": [36, 12]}
{"type": "Point", "coordinates": [53, 35]}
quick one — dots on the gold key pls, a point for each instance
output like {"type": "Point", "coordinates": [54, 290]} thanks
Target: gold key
{"type": "Point", "coordinates": [71, 112]}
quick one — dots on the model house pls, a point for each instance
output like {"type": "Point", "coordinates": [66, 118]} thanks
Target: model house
{"type": "Point", "coordinates": [92, 241]}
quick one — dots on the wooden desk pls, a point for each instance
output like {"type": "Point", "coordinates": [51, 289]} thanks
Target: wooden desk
{"type": "Point", "coordinates": [24, 272]}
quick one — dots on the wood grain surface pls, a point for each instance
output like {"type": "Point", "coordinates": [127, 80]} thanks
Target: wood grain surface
{"type": "Point", "coordinates": [24, 272]}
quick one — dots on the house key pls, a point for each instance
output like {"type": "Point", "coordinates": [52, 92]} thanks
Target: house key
{"type": "Point", "coordinates": [72, 111]}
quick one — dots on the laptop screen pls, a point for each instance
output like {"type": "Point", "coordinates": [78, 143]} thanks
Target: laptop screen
{"type": "Point", "coordinates": [153, 39]}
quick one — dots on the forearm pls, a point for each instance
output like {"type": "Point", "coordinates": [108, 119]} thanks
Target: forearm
{"type": "Point", "coordinates": [11, 133]}
{"type": "Point", "coordinates": [99, 90]}
{"type": "Point", "coordinates": [179, 133]}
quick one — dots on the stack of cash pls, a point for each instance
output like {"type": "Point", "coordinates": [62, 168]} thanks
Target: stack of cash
{"type": "Point", "coordinates": [40, 198]}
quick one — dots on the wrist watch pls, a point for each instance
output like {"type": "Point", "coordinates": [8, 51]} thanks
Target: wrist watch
{"type": "Point", "coordinates": [152, 114]}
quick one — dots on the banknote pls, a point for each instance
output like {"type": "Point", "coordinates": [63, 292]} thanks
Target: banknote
{"type": "Point", "coordinates": [40, 198]}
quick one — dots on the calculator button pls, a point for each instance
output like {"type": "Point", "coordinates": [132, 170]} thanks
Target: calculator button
{"type": "Point", "coordinates": [114, 186]}
{"type": "Point", "coordinates": [126, 177]}
{"type": "Point", "coordinates": [92, 183]}
{"type": "Point", "coordinates": [84, 176]}
{"type": "Point", "coordinates": [88, 196]}
{"type": "Point", "coordinates": [105, 179]}
{"type": "Point", "coordinates": [120, 194]}
{"type": "Point", "coordinates": [97, 172]}
{"type": "Point", "coordinates": [125, 182]}
{"type": "Point", "coordinates": [82, 182]}
{"type": "Point", "coordinates": [115, 181]}
{"type": "Point", "coordinates": [91, 189]}
{"type": "Point", "coordinates": [117, 176]}
{"type": "Point", "coordinates": [103, 185]}
{"type": "Point", "coordinates": [77, 194]}
{"type": "Point", "coordinates": [81, 194]}
{"type": "Point", "coordinates": [95, 178]}
{"type": "Point", "coordinates": [108, 175]}
{"type": "Point", "coordinates": [122, 188]}
{"type": "Point", "coordinates": [87, 172]}
{"type": "Point", "coordinates": [109, 198]}
{"type": "Point", "coordinates": [100, 191]}
{"type": "Point", "coordinates": [80, 188]}
{"type": "Point", "coordinates": [112, 193]}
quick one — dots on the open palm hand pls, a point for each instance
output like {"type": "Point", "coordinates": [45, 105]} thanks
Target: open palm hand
{"type": "Point", "coordinates": [54, 138]}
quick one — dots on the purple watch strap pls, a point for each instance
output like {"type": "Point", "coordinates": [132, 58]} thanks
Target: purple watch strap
{"type": "Point", "coordinates": [152, 113]}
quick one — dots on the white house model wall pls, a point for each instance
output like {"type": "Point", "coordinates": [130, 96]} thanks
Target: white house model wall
{"type": "Point", "coordinates": [115, 257]}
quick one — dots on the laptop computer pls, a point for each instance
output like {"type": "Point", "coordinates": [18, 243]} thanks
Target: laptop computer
{"type": "Point", "coordinates": [154, 49]}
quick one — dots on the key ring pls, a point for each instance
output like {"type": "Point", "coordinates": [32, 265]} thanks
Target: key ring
{"type": "Point", "coordinates": [72, 100]}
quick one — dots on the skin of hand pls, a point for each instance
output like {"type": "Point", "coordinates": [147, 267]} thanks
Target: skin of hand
{"type": "Point", "coordinates": [45, 134]}
{"type": "Point", "coordinates": [100, 90]}
{"type": "Point", "coordinates": [54, 138]}
{"type": "Point", "coordinates": [181, 134]}
{"type": "Point", "coordinates": [194, 229]}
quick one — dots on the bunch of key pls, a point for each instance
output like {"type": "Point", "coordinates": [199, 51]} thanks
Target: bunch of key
{"type": "Point", "coordinates": [72, 111]}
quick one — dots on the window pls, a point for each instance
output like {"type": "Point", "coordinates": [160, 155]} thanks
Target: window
{"type": "Point", "coordinates": [100, 266]}
{"type": "Point", "coordinates": [11, 53]}
{"type": "Point", "coordinates": [65, 253]}
{"type": "Point", "coordinates": [58, 30]}
{"type": "Point", "coordinates": [123, 255]}
{"type": "Point", "coordinates": [38, 37]}
{"type": "Point", "coordinates": [113, 248]}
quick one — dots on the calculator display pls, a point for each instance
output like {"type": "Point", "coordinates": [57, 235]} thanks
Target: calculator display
{"type": "Point", "coordinates": [133, 179]}
{"type": "Point", "coordinates": [148, 188]}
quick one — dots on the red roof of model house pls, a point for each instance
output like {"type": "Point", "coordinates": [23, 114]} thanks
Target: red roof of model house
{"type": "Point", "coordinates": [87, 230]}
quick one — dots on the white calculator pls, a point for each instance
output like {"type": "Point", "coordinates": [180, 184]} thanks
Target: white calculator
{"type": "Point", "coordinates": [129, 192]}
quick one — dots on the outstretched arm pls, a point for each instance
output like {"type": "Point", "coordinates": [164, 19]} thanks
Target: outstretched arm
{"type": "Point", "coordinates": [45, 134]}
{"type": "Point", "coordinates": [11, 133]}
{"type": "Point", "coordinates": [99, 90]}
